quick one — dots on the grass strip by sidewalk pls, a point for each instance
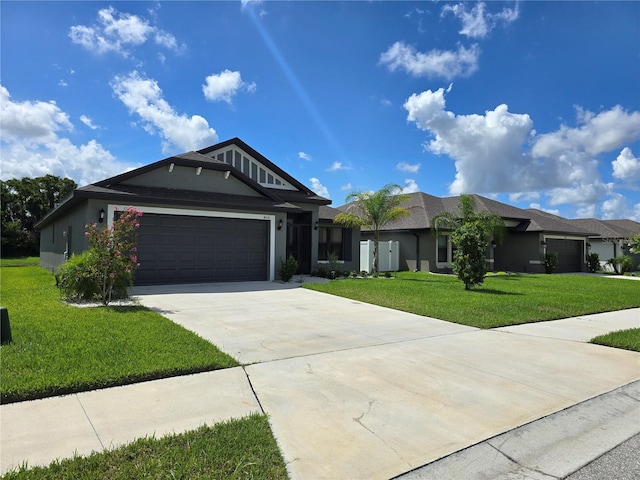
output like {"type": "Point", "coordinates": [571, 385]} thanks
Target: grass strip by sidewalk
{"type": "Point", "coordinates": [235, 449]}
{"type": "Point", "coordinates": [58, 348]}
{"type": "Point", "coordinates": [502, 300]}
{"type": "Point", "coordinates": [627, 339]}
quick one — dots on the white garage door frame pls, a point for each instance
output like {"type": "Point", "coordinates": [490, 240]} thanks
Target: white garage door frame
{"type": "Point", "coordinates": [208, 213]}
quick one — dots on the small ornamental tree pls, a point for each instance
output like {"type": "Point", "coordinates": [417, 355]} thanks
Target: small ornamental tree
{"type": "Point", "coordinates": [469, 262]}
{"type": "Point", "coordinates": [114, 251]}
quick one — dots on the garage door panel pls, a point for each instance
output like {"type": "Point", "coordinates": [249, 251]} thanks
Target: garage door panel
{"type": "Point", "coordinates": [183, 249]}
{"type": "Point", "coordinates": [569, 254]}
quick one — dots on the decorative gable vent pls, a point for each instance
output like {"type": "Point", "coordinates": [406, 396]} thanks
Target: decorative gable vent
{"type": "Point", "coordinates": [251, 168]}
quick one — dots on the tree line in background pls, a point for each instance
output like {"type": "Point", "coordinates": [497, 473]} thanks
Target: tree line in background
{"type": "Point", "coordinates": [23, 203]}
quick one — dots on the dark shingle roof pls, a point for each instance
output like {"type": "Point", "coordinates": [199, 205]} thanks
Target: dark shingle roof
{"type": "Point", "coordinates": [423, 208]}
{"type": "Point", "coordinates": [609, 228]}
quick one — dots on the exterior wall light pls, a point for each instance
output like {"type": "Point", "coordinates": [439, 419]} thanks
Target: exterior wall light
{"type": "Point", "coordinates": [280, 223]}
{"type": "Point", "coordinates": [101, 215]}
{"type": "Point", "coordinates": [494, 244]}
{"type": "Point", "coordinates": [315, 225]}
{"type": "Point", "coordinates": [543, 243]}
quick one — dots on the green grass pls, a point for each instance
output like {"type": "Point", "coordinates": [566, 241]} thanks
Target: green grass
{"type": "Point", "coordinates": [502, 299]}
{"type": "Point", "coordinates": [626, 339]}
{"type": "Point", "coordinates": [58, 348]}
{"type": "Point", "coordinates": [236, 449]}
{"type": "Point", "coordinates": [20, 262]}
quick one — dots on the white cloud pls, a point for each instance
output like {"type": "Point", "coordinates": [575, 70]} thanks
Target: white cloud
{"type": "Point", "coordinates": [336, 166]}
{"type": "Point", "coordinates": [410, 186]}
{"type": "Point", "coordinates": [487, 149]}
{"type": "Point", "coordinates": [408, 167]}
{"type": "Point", "coordinates": [476, 23]}
{"type": "Point", "coordinates": [348, 186]}
{"type": "Point", "coordinates": [143, 96]}
{"type": "Point", "coordinates": [35, 121]}
{"type": "Point", "coordinates": [524, 197]}
{"type": "Point", "coordinates": [318, 188]}
{"type": "Point", "coordinates": [626, 167]}
{"type": "Point", "coordinates": [88, 122]}
{"type": "Point", "coordinates": [224, 85]}
{"type": "Point", "coordinates": [117, 32]}
{"type": "Point", "coordinates": [304, 156]}
{"type": "Point", "coordinates": [435, 63]}
{"type": "Point", "coordinates": [596, 133]}
{"type": "Point", "coordinates": [492, 152]}
{"type": "Point", "coordinates": [62, 83]}
{"type": "Point", "coordinates": [31, 145]}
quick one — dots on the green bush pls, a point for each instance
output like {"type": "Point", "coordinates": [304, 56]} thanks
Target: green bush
{"type": "Point", "coordinates": [78, 279]}
{"type": "Point", "coordinates": [593, 262]}
{"type": "Point", "coordinates": [288, 268]}
{"type": "Point", "coordinates": [622, 264]}
{"type": "Point", "coordinates": [550, 261]}
{"type": "Point", "coordinates": [469, 262]}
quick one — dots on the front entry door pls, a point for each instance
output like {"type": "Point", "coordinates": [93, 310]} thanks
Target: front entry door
{"type": "Point", "coordinates": [299, 240]}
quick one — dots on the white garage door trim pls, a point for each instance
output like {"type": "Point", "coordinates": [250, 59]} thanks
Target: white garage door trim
{"type": "Point", "coordinates": [207, 213]}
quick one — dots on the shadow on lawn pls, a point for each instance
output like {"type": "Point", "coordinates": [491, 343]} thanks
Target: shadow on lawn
{"type": "Point", "coordinates": [492, 291]}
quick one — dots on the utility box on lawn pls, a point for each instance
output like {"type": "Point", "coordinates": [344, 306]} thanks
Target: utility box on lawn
{"type": "Point", "coordinates": [5, 327]}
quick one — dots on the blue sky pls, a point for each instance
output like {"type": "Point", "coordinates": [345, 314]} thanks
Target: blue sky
{"type": "Point", "coordinates": [536, 104]}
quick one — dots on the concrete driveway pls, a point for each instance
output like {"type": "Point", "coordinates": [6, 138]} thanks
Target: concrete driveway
{"type": "Point", "coordinates": [363, 392]}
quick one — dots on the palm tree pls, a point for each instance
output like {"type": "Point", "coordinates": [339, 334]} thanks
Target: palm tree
{"type": "Point", "coordinates": [373, 210]}
{"type": "Point", "coordinates": [471, 233]}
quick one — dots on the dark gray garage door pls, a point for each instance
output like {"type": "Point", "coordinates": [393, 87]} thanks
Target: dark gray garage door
{"type": "Point", "coordinates": [569, 254]}
{"type": "Point", "coordinates": [182, 249]}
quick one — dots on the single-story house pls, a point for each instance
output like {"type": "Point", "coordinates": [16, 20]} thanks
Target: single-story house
{"type": "Point", "coordinates": [530, 234]}
{"type": "Point", "coordinates": [611, 237]}
{"type": "Point", "coordinates": [223, 213]}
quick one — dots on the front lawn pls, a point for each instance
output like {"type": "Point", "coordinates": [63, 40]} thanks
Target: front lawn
{"type": "Point", "coordinates": [58, 348]}
{"type": "Point", "coordinates": [236, 449]}
{"type": "Point", "coordinates": [20, 262]}
{"type": "Point", "coordinates": [502, 299]}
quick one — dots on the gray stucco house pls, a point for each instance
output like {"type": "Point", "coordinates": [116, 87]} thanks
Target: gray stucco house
{"type": "Point", "coordinates": [223, 213]}
{"type": "Point", "coordinates": [530, 233]}
{"type": "Point", "coordinates": [610, 238]}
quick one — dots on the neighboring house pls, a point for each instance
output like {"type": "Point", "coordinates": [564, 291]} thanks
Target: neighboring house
{"type": "Point", "coordinates": [611, 237]}
{"type": "Point", "coordinates": [530, 233]}
{"type": "Point", "coordinates": [224, 213]}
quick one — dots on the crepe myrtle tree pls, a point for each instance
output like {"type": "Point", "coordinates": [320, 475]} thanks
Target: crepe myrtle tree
{"type": "Point", "coordinates": [374, 210]}
{"type": "Point", "coordinates": [471, 233]}
{"type": "Point", "coordinates": [115, 250]}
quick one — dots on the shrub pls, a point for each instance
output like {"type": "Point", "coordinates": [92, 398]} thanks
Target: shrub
{"type": "Point", "coordinates": [550, 261]}
{"type": "Point", "coordinates": [469, 263]}
{"type": "Point", "coordinates": [593, 262]}
{"type": "Point", "coordinates": [106, 269]}
{"type": "Point", "coordinates": [288, 268]}
{"type": "Point", "coordinates": [622, 264]}
{"type": "Point", "coordinates": [77, 278]}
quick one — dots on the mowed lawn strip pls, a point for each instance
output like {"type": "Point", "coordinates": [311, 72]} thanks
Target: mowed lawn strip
{"type": "Point", "coordinates": [627, 339]}
{"type": "Point", "coordinates": [58, 348]}
{"type": "Point", "coordinates": [236, 449]}
{"type": "Point", "coordinates": [500, 301]}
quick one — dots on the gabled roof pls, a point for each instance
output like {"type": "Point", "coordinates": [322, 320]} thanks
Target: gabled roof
{"type": "Point", "coordinates": [115, 189]}
{"type": "Point", "coordinates": [541, 221]}
{"type": "Point", "coordinates": [423, 208]}
{"type": "Point", "coordinates": [609, 228]}
{"type": "Point", "coordinates": [304, 194]}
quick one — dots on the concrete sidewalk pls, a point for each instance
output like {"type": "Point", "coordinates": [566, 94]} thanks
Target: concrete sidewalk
{"type": "Point", "coordinates": [352, 390]}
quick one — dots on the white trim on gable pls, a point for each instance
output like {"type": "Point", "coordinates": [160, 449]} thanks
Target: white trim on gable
{"type": "Point", "coordinates": [252, 168]}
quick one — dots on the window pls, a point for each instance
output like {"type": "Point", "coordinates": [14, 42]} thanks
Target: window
{"type": "Point", "coordinates": [336, 240]}
{"type": "Point", "coordinates": [443, 248]}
